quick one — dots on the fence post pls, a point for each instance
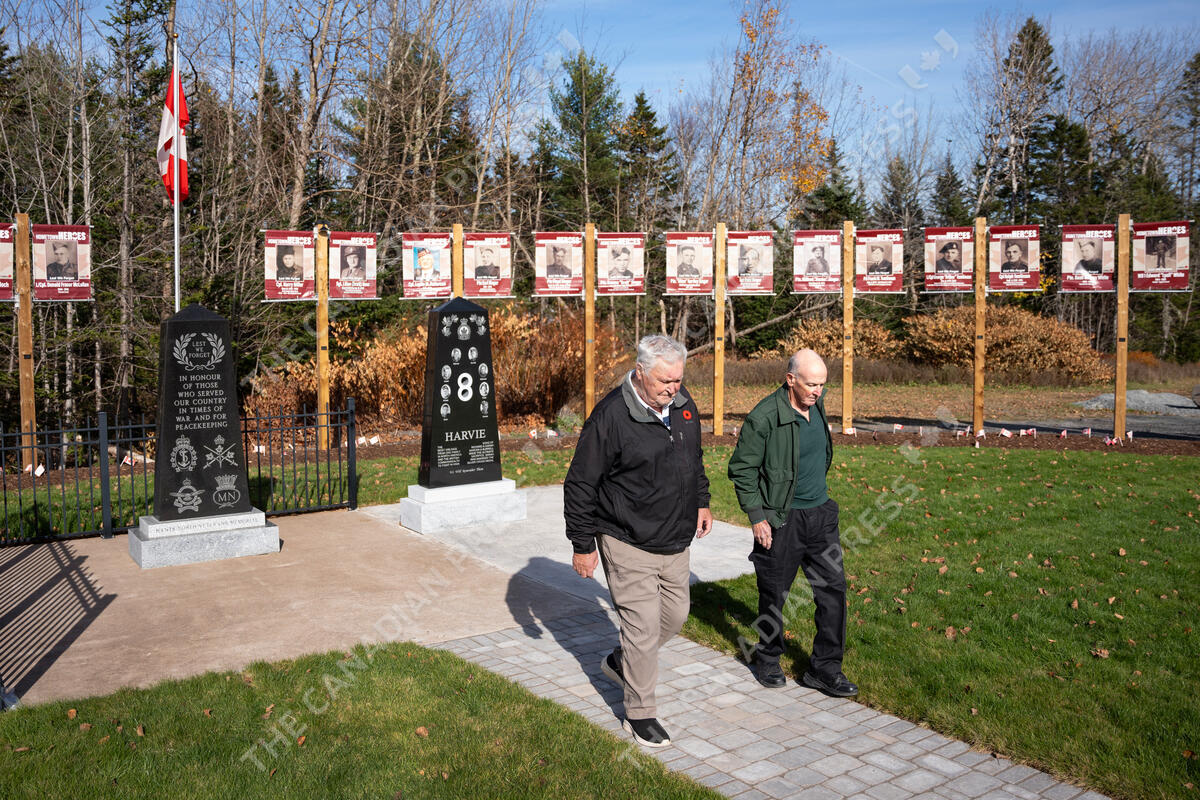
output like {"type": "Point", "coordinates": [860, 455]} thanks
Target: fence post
{"type": "Point", "coordinates": [848, 265]}
{"type": "Point", "coordinates": [25, 343]}
{"type": "Point", "coordinates": [719, 285]}
{"type": "Point", "coordinates": [322, 277]}
{"type": "Point", "coordinates": [981, 259]}
{"type": "Point", "coordinates": [1123, 224]}
{"type": "Point", "coordinates": [106, 527]}
{"type": "Point", "coordinates": [351, 452]}
{"type": "Point", "coordinates": [589, 318]}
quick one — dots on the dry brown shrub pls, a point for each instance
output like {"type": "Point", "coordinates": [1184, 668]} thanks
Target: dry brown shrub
{"type": "Point", "coordinates": [871, 340]}
{"type": "Point", "coordinates": [1019, 343]}
{"type": "Point", "coordinates": [539, 366]}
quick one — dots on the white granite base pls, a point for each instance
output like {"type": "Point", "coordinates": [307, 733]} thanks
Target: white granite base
{"type": "Point", "coordinates": [168, 544]}
{"type": "Point", "coordinates": [463, 508]}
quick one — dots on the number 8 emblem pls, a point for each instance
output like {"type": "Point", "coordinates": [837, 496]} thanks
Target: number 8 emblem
{"type": "Point", "coordinates": [464, 386]}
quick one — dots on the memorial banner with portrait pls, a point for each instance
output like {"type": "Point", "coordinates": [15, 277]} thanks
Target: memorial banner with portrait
{"type": "Point", "coordinates": [949, 259]}
{"type": "Point", "coordinates": [750, 262]}
{"type": "Point", "coordinates": [620, 263]}
{"type": "Point", "coordinates": [487, 264]}
{"type": "Point", "coordinates": [1088, 258]}
{"type": "Point", "coordinates": [426, 265]}
{"type": "Point", "coordinates": [62, 262]}
{"type": "Point", "coordinates": [816, 262]}
{"type": "Point", "coordinates": [7, 259]}
{"type": "Point", "coordinates": [1160, 257]}
{"type": "Point", "coordinates": [1014, 262]}
{"type": "Point", "coordinates": [689, 262]}
{"type": "Point", "coordinates": [290, 265]}
{"type": "Point", "coordinates": [353, 266]}
{"type": "Point", "coordinates": [879, 261]}
{"type": "Point", "coordinates": [558, 264]}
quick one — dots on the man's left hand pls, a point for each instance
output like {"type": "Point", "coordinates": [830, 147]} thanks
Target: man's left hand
{"type": "Point", "coordinates": [703, 523]}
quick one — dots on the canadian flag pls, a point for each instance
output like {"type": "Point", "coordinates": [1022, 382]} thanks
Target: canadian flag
{"type": "Point", "coordinates": [172, 143]}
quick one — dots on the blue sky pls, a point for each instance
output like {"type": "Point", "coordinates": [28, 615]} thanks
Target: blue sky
{"type": "Point", "coordinates": [663, 47]}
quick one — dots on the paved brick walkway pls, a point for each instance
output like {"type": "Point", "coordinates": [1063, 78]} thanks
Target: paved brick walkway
{"type": "Point", "coordinates": [749, 742]}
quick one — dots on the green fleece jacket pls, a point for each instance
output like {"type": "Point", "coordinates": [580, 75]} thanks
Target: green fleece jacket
{"type": "Point", "coordinates": [763, 465]}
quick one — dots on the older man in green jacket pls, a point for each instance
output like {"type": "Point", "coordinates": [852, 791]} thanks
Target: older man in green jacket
{"type": "Point", "coordinates": [778, 469]}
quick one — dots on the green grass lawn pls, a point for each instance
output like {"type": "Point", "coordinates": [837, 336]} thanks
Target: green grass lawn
{"type": "Point", "coordinates": [1040, 604]}
{"type": "Point", "coordinates": [404, 722]}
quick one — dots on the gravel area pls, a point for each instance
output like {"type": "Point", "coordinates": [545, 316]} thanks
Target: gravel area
{"type": "Point", "coordinates": [1145, 402]}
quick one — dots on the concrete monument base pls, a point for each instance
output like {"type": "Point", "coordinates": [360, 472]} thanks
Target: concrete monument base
{"type": "Point", "coordinates": [434, 510]}
{"type": "Point", "coordinates": [190, 541]}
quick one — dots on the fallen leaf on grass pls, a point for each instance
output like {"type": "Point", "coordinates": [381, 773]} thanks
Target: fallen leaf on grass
{"type": "Point", "coordinates": [1112, 600]}
{"type": "Point", "coordinates": [951, 633]}
{"type": "Point", "coordinates": [1075, 603]}
{"type": "Point", "coordinates": [1118, 616]}
{"type": "Point", "coordinates": [1121, 551]}
{"type": "Point", "coordinates": [422, 731]}
{"type": "Point", "coordinates": [141, 731]}
{"type": "Point", "coordinates": [208, 712]}
{"type": "Point", "coordinates": [1100, 652]}
{"type": "Point", "coordinates": [71, 713]}
{"type": "Point", "coordinates": [942, 569]}
{"type": "Point", "coordinates": [85, 726]}
{"type": "Point", "coordinates": [103, 739]}
{"type": "Point", "coordinates": [271, 774]}
{"type": "Point", "coordinates": [974, 712]}
{"type": "Point", "coordinates": [267, 713]}
{"type": "Point", "coordinates": [300, 741]}
{"type": "Point", "coordinates": [21, 750]}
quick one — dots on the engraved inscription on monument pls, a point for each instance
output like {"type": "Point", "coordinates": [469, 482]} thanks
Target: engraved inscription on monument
{"type": "Point", "coordinates": [460, 442]}
{"type": "Point", "coordinates": [199, 471]}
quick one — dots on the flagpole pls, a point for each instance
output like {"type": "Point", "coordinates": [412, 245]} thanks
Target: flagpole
{"type": "Point", "coordinates": [175, 134]}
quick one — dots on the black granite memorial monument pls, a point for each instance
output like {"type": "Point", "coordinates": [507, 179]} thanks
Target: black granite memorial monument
{"type": "Point", "coordinates": [200, 470]}
{"type": "Point", "coordinates": [460, 441]}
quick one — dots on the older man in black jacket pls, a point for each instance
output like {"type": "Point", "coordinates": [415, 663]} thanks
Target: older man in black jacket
{"type": "Point", "coordinates": [634, 497]}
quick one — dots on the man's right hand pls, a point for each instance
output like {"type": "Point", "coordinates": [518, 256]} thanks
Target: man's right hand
{"type": "Point", "coordinates": [762, 533]}
{"type": "Point", "coordinates": [585, 563]}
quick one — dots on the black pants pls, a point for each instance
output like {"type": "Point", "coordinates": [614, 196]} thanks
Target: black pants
{"type": "Point", "coordinates": [809, 538]}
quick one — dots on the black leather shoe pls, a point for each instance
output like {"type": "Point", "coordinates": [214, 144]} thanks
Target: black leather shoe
{"type": "Point", "coordinates": [840, 686]}
{"type": "Point", "coordinates": [768, 673]}
{"type": "Point", "coordinates": [647, 732]}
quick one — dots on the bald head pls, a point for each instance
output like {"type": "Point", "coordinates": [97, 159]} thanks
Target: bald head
{"type": "Point", "coordinates": [805, 379]}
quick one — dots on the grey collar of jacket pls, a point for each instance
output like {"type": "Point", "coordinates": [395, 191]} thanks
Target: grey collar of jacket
{"type": "Point", "coordinates": [637, 409]}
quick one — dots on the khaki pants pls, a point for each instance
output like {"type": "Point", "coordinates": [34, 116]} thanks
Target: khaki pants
{"type": "Point", "coordinates": [650, 592]}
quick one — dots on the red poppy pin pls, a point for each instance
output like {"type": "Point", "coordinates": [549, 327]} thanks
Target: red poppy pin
{"type": "Point", "coordinates": [687, 414]}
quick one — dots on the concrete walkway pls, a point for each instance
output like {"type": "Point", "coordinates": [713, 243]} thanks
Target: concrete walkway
{"type": "Point", "coordinates": [80, 618]}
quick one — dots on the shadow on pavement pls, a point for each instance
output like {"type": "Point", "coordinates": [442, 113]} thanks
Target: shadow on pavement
{"type": "Point", "coordinates": [587, 637]}
{"type": "Point", "coordinates": [47, 599]}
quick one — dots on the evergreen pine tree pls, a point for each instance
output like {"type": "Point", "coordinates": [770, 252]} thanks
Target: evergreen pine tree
{"type": "Point", "coordinates": [581, 141]}
{"type": "Point", "coordinates": [949, 204]}
{"type": "Point", "coordinates": [649, 175]}
{"type": "Point", "coordinates": [836, 201]}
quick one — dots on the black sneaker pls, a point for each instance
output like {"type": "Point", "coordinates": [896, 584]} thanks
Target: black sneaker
{"type": "Point", "coordinates": [840, 686]}
{"type": "Point", "coordinates": [768, 673]}
{"type": "Point", "coordinates": [647, 732]}
{"type": "Point", "coordinates": [611, 667]}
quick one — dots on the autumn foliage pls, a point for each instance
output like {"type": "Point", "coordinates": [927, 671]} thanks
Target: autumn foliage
{"type": "Point", "coordinates": [539, 366]}
{"type": "Point", "coordinates": [871, 340]}
{"type": "Point", "coordinates": [1019, 342]}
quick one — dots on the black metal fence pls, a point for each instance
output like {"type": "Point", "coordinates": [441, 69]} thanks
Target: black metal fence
{"type": "Point", "coordinates": [96, 480]}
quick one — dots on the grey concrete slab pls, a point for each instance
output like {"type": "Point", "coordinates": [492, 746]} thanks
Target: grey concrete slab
{"type": "Point", "coordinates": [537, 547]}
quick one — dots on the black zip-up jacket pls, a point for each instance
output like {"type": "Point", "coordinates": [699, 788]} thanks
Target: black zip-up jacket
{"type": "Point", "coordinates": [633, 479]}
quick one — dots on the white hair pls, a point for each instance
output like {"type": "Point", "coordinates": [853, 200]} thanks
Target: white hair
{"type": "Point", "coordinates": [655, 348]}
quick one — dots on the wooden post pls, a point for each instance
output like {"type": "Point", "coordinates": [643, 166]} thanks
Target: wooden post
{"type": "Point", "coordinates": [981, 245]}
{"type": "Point", "coordinates": [25, 343]}
{"type": "Point", "coordinates": [322, 276]}
{"type": "Point", "coordinates": [456, 261]}
{"type": "Point", "coordinates": [847, 327]}
{"type": "Point", "coordinates": [719, 339]}
{"type": "Point", "coordinates": [1122, 324]}
{"type": "Point", "coordinates": [589, 318]}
